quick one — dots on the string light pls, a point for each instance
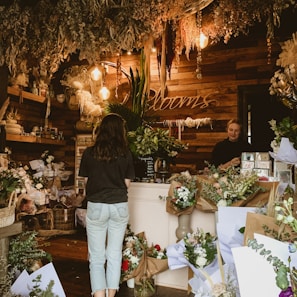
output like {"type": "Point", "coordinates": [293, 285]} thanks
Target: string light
{"type": "Point", "coordinates": [96, 74]}
{"type": "Point", "coordinates": [104, 93]}
{"type": "Point", "coordinates": [203, 40]}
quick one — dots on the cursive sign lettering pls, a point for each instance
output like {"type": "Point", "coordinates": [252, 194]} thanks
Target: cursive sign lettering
{"type": "Point", "coordinates": [156, 102]}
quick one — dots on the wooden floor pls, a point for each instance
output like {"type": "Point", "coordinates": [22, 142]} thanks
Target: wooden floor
{"type": "Point", "coordinates": [70, 260]}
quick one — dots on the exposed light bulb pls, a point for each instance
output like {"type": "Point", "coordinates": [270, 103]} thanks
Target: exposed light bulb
{"type": "Point", "coordinates": [153, 50]}
{"type": "Point", "coordinates": [104, 93]}
{"type": "Point", "coordinates": [96, 74]}
{"type": "Point", "coordinates": [203, 40]}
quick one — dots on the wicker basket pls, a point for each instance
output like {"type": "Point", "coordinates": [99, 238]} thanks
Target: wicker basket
{"type": "Point", "coordinates": [7, 214]}
{"type": "Point", "coordinates": [64, 218]}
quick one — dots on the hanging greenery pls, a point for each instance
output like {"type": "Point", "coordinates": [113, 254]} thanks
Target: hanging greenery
{"type": "Point", "coordinates": [38, 35]}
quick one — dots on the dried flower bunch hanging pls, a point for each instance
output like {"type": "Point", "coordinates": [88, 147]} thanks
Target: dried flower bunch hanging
{"type": "Point", "coordinates": [284, 81]}
{"type": "Point", "coordinates": [42, 34]}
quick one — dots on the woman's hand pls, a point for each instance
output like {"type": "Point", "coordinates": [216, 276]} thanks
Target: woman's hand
{"type": "Point", "coordinates": [234, 162]}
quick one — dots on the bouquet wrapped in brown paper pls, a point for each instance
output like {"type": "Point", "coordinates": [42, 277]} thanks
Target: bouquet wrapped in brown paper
{"type": "Point", "coordinates": [229, 188]}
{"type": "Point", "coordinates": [181, 197]}
{"type": "Point", "coordinates": [153, 262]}
{"type": "Point", "coordinates": [139, 260]}
{"type": "Point", "coordinates": [133, 250]}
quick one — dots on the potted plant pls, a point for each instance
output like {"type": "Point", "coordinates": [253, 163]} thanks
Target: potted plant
{"type": "Point", "coordinates": [146, 141]}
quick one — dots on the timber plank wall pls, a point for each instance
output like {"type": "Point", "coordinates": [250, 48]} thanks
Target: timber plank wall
{"type": "Point", "coordinates": [225, 68]}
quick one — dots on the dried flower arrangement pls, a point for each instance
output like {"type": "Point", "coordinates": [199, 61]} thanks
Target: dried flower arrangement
{"type": "Point", "coordinates": [45, 34]}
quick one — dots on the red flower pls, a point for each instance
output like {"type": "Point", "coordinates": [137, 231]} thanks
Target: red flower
{"type": "Point", "coordinates": [125, 265]}
{"type": "Point", "coordinates": [157, 247]}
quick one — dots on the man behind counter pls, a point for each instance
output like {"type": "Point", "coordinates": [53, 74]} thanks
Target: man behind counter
{"type": "Point", "coordinates": [227, 152]}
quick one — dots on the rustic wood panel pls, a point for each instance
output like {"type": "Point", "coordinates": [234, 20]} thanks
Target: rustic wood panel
{"type": "Point", "coordinates": [225, 68]}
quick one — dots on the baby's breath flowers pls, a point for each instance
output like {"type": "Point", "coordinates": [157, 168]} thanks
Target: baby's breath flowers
{"type": "Point", "coordinates": [184, 191]}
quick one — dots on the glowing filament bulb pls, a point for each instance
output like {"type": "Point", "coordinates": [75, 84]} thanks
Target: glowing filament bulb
{"type": "Point", "coordinates": [104, 93]}
{"type": "Point", "coordinates": [203, 40]}
{"type": "Point", "coordinates": [96, 74]}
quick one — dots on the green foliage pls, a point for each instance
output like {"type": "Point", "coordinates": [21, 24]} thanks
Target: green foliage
{"type": "Point", "coordinates": [38, 292]}
{"type": "Point", "coordinates": [138, 93]}
{"type": "Point", "coordinates": [6, 279]}
{"type": "Point", "coordinates": [146, 141]}
{"type": "Point", "coordinates": [280, 268]}
{"type": "Point", "coordinates": [24, 251]}
{"type": "Point", "coordinates": [285, 128]}
{"type": "Point", "coordinates": [132, 119]}
{"type": "Point", "coordinates": [11, 179]}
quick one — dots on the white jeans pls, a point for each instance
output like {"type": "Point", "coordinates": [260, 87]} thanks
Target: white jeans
{"type": "Point", "coordinates": [106, 225]}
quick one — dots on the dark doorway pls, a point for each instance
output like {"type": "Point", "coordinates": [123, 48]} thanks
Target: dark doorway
{"type": "Point", "coordinates": [256, 108]}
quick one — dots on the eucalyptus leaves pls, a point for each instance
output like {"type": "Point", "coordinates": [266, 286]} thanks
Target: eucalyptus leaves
{"type": "Point", "coordinates": [286, 276]}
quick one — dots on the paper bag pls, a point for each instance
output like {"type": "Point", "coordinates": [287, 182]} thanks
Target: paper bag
{"type": "Point", "coordinates": [255, 223]}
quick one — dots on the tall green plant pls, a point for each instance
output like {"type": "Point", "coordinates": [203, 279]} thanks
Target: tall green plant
{"type": "Point", "coordinates": [138, 92]}
{"type": "Point", "coordinates": [138, 98]}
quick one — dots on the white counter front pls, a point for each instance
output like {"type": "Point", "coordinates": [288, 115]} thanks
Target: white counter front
{"type": "Point", "coordinates": [148, 214]}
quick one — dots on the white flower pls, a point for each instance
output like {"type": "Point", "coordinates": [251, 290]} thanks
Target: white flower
{"type": "Point", "coordinates": [201, 262]}
{"type": "Point", "coordinates": [39, 186]}
{"type": "Point", "coordinates": [216, 175]}
{"type": "Point", "coordinates": [222, 202]}
{"type": "Point", "coordinates": [134, 260]}
{"type": "Point", "coordinates": [218, 289]}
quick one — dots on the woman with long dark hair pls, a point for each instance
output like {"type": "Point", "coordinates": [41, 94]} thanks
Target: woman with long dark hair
{"type": "Point", "coordinates": [108, 167]}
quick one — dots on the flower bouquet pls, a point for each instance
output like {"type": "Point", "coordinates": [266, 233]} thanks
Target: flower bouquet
{"type": "Point", "coordinates": [133, 249]}
{"type": "Point", "coordinates": [229, 187]}
{"type": "Point", "coordinates": [141, 263]}
{"type": "Point", "coordinates": [181, 197]}
{"type": "Point", "coordinates": [200, 251]}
